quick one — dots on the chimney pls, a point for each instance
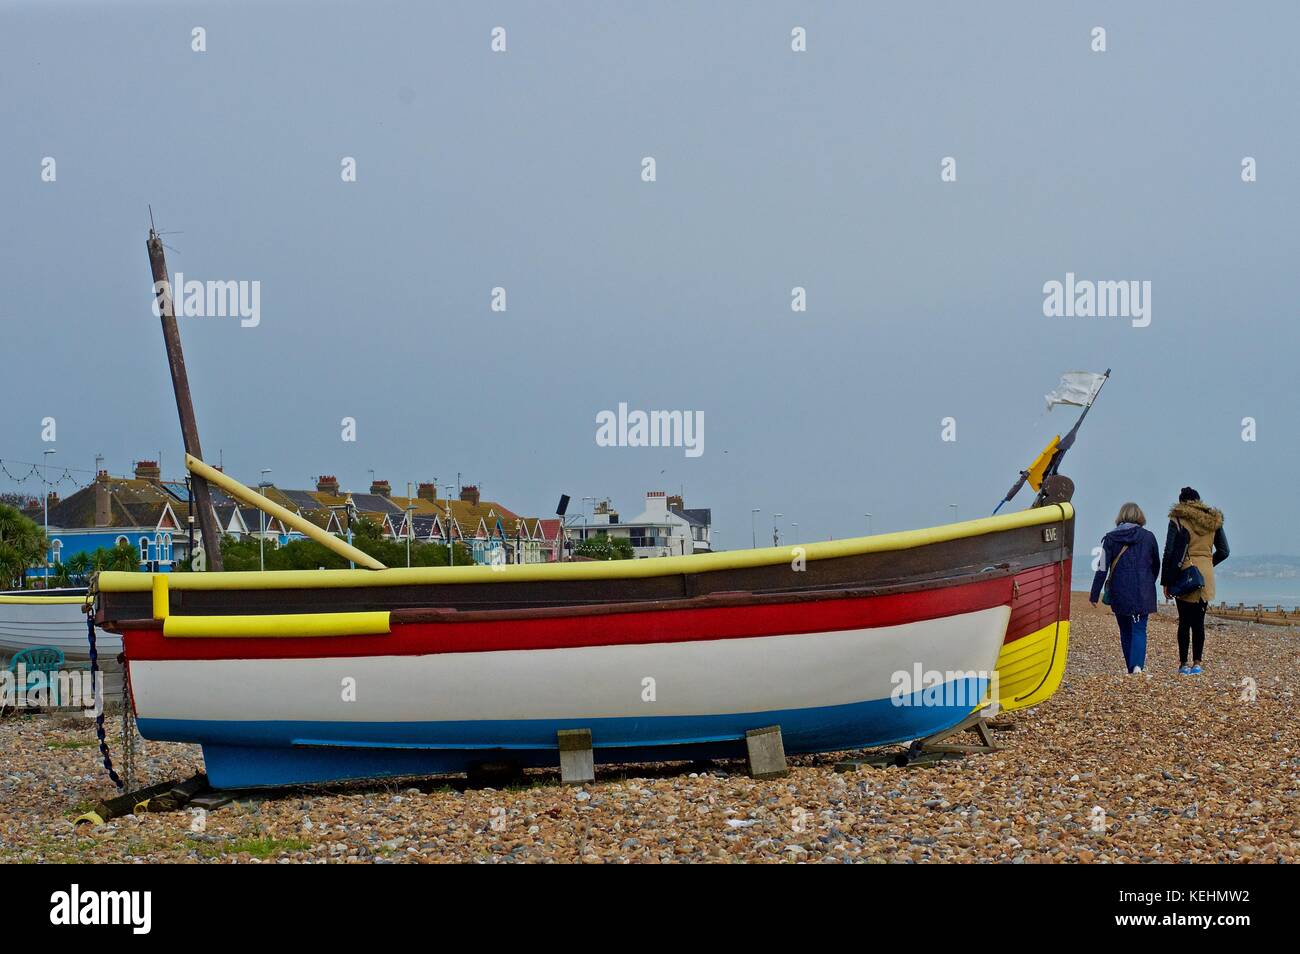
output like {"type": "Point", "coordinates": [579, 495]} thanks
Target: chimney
{"type": "Point", "coordinates": [656, 502]}
{"type": "Point", "coordinates": [469, 494]}
{"type": "Point", "coordinates": [147, 470]}
{"type": "Point", "coordinates": [103, 506]}
{"type": "Point", "coordinates": [427, 491]}
{"type": "Point", "coordinates": [328, 484]}
{"type": "Point", "coordinates": [676, 504]}
{"type": "Point", "coordinates": [381, 487]}
{"type": "Point", "coordinates": [52, 499]}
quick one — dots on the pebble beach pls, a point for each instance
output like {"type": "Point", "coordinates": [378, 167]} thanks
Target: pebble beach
{"type": "Point", "coordinates": [1115, 768]}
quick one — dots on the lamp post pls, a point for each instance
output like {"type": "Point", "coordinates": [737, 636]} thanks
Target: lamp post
{"type": "Point", "coordinates": [451, 521]}
{"type": "Point", "coordinates": [953, 507]}
{"type": "Point", "coordinates": [776, 533]}
{"type": "Point", "coordinates": [45, 462]}
{"type": "Point", "coordinates": [410, 523]}
{"type": "Point", "coordinates": [753, 533]}
{"type": "Point", "coordinates": [794, 532]}
{"type": "Point", "coordinates": [261, 520]}
{"type": "Point", "coordinates": [868, 516]}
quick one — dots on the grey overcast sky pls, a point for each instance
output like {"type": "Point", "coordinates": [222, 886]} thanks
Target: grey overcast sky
{"type": "Point", "coordinates": [775, 169]}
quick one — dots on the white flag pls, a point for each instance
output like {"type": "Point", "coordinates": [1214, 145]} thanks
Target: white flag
{"type": "Point", "coordinates": [1077, 388]}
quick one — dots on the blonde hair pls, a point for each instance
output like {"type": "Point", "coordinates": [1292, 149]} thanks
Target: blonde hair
{"type": "Point", "coordinates": [1131, 513]}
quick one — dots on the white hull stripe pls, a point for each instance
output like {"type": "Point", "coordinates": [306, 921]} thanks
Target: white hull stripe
{"type": "Point", "coordinates": [689, 679]}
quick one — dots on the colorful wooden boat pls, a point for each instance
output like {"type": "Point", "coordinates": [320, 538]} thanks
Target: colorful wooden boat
{"type": "Point", "coordinates": [296, 677]}
{"type": "Point", "coordinates": [30, 618]}
{"type": "Point", "coordinates": [51, 618]}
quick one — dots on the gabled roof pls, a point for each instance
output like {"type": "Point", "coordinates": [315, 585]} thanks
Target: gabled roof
{"type": "Point", "coordinates": [700, 516]}
{"type": "Point", "coordinates": [132, 502]}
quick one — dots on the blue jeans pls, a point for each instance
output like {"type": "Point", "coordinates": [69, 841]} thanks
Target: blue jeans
{"type": "Point", "coordinates": [1133, 638]}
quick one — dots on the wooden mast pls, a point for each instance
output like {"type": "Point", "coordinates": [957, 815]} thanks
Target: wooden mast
{"type": "Point", "coordinates": [184, 404]}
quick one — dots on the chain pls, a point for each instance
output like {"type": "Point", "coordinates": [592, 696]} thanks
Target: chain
{"type": "Point", "coordinates": [99, 717]}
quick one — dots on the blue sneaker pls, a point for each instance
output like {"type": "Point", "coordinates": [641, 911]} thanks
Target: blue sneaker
{"type": "Point", "coordinates": [1196, 670]}
{"type": "Point", "coordinates": [1184, 670]}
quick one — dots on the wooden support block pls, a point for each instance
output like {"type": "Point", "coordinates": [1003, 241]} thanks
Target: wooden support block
{"type": "Point", "coordinates": [765, 753]}
{"type": "Point", "coordinates": [210, 801]}
{"type": "Point", "coordinates": [577, 761]}
{"type": "Point", "coordinates": [183, 792]}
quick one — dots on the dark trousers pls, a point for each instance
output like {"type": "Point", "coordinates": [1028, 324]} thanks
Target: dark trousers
{"type": "Point", "coordinates": [1191, 628]}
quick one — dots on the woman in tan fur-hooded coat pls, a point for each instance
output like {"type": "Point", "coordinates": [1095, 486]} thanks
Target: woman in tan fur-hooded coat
{"type": "Point", "coordinates": [1195, 538]}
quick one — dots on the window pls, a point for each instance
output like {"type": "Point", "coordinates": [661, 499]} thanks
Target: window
{"type": "Point", "coordinates": [57, 547]}
{"type": "Point", "coordinates": [144, 549]}
{"type": "Point", "coordinates": [165, 551]}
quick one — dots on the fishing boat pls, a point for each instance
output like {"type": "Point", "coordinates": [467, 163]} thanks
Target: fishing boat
{"type": "Point", "coordinates": [313, 676]}
{"type": "Point", "coordinates": [54, 618]}
{"type": "Point", "coordinates": [297, 677]}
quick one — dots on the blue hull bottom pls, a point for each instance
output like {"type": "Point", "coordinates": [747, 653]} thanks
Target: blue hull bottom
{"type": "Point", "coordinates": [261, 753]}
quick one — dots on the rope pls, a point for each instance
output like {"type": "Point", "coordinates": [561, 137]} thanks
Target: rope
{"type": "Point", "coordinates": [99, 718]}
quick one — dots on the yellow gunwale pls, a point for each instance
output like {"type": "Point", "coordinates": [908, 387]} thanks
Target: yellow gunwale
{"type": "Point", "coordinates": [42, 600]}
{"type": "Point", "coordinates": [124, 582]}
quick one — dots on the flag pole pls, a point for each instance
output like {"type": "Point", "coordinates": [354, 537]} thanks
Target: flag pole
{"type": "Point", "coordinates": [1061, 448]}
{"type": "Point", "coordinates": [1068, 441]}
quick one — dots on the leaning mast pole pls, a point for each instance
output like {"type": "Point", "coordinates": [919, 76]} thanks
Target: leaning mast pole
{"type": "Point", "coordinates": [184, 404]}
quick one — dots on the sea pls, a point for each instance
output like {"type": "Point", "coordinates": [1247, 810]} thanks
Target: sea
{"type": "Point", "coordinates": [1252, 591]}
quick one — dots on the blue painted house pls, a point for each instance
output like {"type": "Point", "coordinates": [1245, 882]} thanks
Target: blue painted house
{"type": "Point", "coordinates": [142, 511]}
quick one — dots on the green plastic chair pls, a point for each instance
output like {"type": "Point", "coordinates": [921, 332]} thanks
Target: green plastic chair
{"type": "Point", "coordinates": [39, 662]}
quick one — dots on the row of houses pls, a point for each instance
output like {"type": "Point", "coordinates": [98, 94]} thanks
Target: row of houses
{"type": "Point", "coordinates": [152, 515]}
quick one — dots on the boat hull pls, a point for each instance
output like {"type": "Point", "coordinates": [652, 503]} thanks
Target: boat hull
{"type": "Point", "coordinates": [28, 620]}
{"type": "Point", "coordinates": [353, 716]}
{"type": "Point", "coordinates": [844, 645]}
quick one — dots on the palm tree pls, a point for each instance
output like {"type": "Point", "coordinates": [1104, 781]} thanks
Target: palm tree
{"type": "Point", "coordinates": [22, 546]}
{"type": "Point", "coordinates": [79, 567]}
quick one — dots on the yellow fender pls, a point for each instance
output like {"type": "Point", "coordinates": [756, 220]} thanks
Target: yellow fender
{"type": "Point", "coordinates": [285, 625]}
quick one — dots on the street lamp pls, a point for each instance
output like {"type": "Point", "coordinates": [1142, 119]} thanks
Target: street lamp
{"type": "Point", "coordinates": [794, 532]}
{"type": "Point", "coordinates": [410, 522]}
{"type": "Point", "coordinates": [868, 516]}
{"type": "Point", "coordinates": [753, 533]}
{"type": "Point", "coordinates": [451, 541]}
{"type": "Point", "coordinates": [776, 534]}
{"type": "Point", "coordinates": [45, 463]}
{"type": "Point", "coordinates": [261, 519]}
{"type": "Point", "coordinates": [953, 507]}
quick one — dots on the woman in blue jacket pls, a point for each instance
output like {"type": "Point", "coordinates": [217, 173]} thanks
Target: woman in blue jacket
{"type": "Point", "coordinates": [1131, 560]}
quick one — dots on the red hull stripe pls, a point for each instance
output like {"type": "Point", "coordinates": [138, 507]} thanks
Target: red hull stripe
{"type": "Point", "coordinates": [664, 626]}
{"type": "Point", "coordinates": [1039, 600]}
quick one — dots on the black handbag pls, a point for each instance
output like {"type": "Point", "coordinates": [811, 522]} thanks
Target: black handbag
{"type": "Point", "coordinates": [1189, 577]}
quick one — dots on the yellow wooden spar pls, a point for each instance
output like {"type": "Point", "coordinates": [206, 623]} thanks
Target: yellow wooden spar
{"type": "Point", "coordinates": [284, 625]}
{"type": "Point", "coordinates": [127, 582]}
{"type": "Point", "coordinates": [285, 516]}
{"type": "Point", "coordinates": [366, 623]}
